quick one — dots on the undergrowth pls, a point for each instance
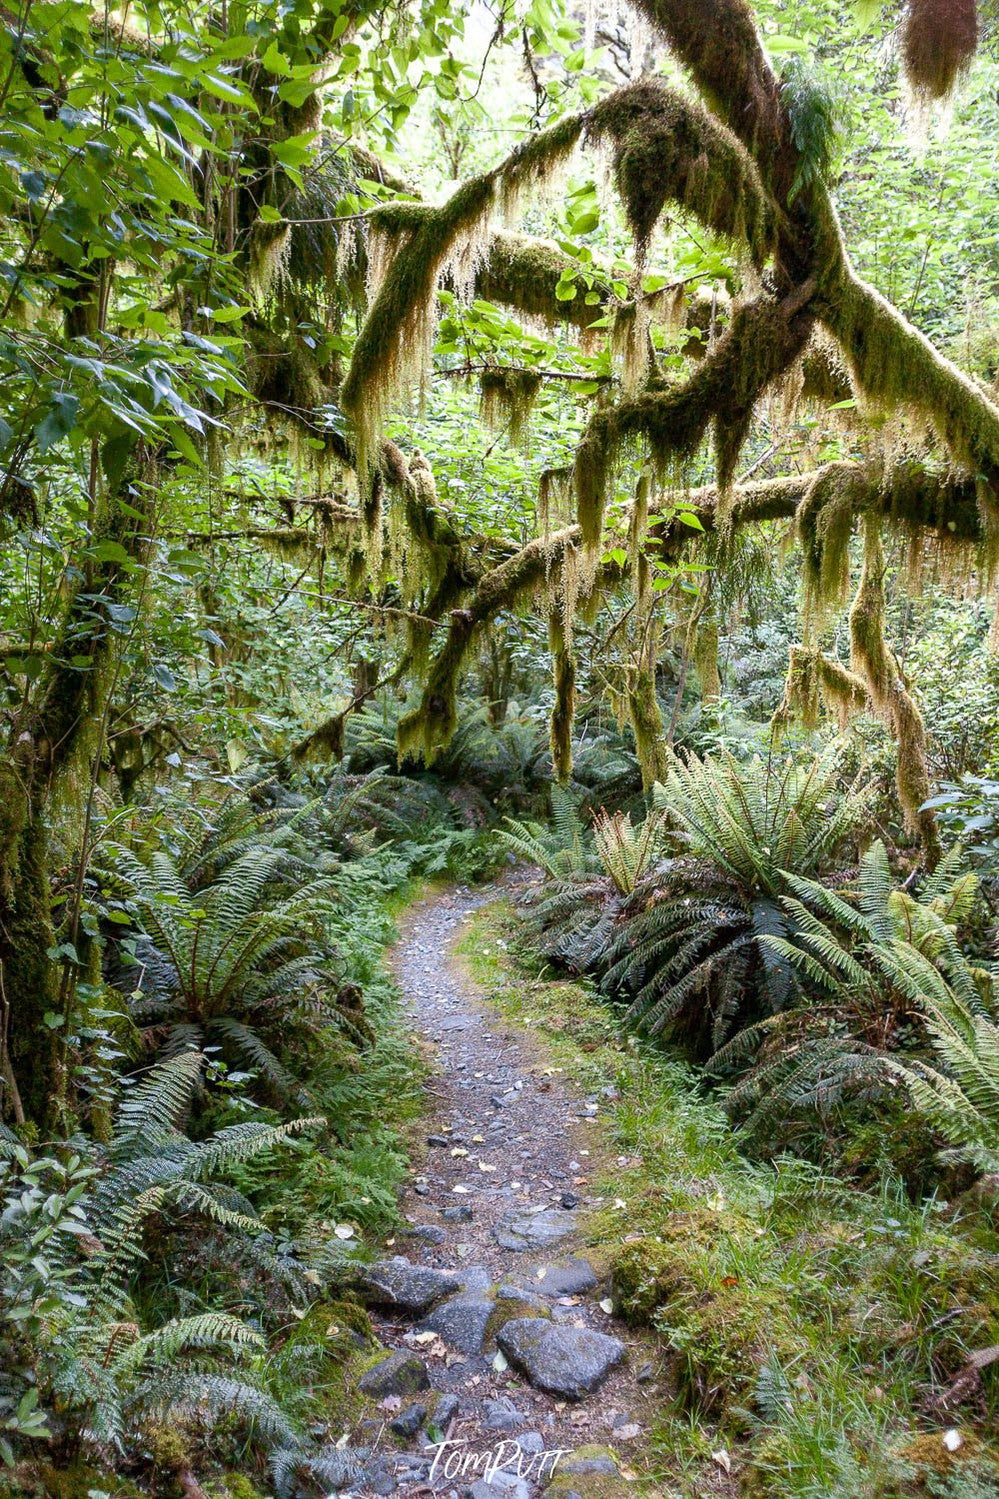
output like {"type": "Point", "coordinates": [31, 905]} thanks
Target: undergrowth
{"type": "Point", "coordinates": [819, 1338]}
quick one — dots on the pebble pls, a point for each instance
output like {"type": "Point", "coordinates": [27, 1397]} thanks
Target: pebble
{"type": "Point", "coordinates": [501, 1415]}
{"type": "Point", "coordinates": [428, 1233]}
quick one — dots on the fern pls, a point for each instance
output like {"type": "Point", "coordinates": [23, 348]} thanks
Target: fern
{"type": "Point", "coordinates": [703, 947]}
{"type": "Point", "coordinates": [880, 958]}
{"type": "Point", "coordinates": [248, 967]}
{"type": "Point", "coordinates": [82, 1249]}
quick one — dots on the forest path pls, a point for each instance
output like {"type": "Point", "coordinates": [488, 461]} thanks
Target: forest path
{"type": "Point", "coordinates": [493, 1263]}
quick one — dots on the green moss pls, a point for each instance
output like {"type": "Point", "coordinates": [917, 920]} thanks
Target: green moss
{"type": "Point", "coordinates": [872, 659]}
{"type": "Point", "coordinates": [646, 719]}
{"type": "Point", "coordinates": [234, 1486]}
{"type": "Point", "coordinates": [564, 706]}
{"type": "Point", "coordinates": [524, 273]}
{"type": "Point", "coordinates": [571, 1476]}
{"type": "Point", "coordinates": [506, 399]}
{"type": "Point", "coordinates": [506, 1308]}
{"type": "Point", "coordinates": [78, 1480]}
{"type": "Point", "coordinates": [668, 148]}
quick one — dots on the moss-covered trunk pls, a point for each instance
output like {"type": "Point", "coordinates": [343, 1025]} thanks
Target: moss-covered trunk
{"type": "Point", "coordinates": [28, 977]}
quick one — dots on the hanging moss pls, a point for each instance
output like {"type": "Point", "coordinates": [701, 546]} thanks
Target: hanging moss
{"type": "Point", "coordinates": [825, 525]}
{"type": "Point", "coordinates": [430, 726]}
{"type": "Point", "coordinates": [268, 251]}
{"type": "Point", "coordinates": [814, 678]}
{"type": "Point", "coordinates": [718, 42]}
{"type": "Point", "coordinates": [939, 40]}
{"type": "Point", "coordinates": [564, 706]}
{"type": "Point", "coordinates": [667, 148]}
{"type": "Point", "coordinates": [897, 368]}
{"type": "Point", "coordinates": [872, 659]}
{"type": "Point", "coordinates": [282, 372]}
{"type": "Point", "coordinates": [422, 732]}
{"type": "Point", "coordinates": [515, 270]}
{"type": "Point", "coordinates": [762, 342]}
{"type": "Point", "coordinates": [507, 397]}
{"type": "Point", "coordinates": [631, 344]}
{"type": "Point", "coordinates": [554, 493]}
{"type": "Point", "coordinates": [394, 343]}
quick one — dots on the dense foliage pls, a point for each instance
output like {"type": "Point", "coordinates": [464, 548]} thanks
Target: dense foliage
{"type": "Point", "coordinates": [416, 418]}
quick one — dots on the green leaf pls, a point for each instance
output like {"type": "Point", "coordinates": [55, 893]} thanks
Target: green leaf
{"type": "Point", "coordinates": [781, 43]}
{"type": "Point", "coordinates": [58, 421]}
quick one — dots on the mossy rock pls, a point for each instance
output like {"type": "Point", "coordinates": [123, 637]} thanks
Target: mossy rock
{"type": "Point", "coordinates": [78, 1481]}
{"type": "Point", "coordinates": [234, 1486]}
{"type": "Point", "coordinates": [506, 1308]}
{"type": "Point", "coordinates": [722, 1331]}
{"type": "Point", "coordinates": [341, 1326]}
{"type": "Point", "coordinates": [587, 1471]}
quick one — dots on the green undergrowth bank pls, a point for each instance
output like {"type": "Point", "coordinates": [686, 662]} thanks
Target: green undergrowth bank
{"type": "Point", "coordinates": [820, 1338]}
{"type": "Point", "coordinates": [372, 1097]}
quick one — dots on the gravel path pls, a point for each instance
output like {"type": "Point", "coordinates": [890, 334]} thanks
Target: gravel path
{"type": "Point", "coordinates": [488, 1295]}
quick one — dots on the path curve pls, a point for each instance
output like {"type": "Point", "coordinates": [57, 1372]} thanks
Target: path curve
{"type": "Point", "coordinates": [511, 1152]}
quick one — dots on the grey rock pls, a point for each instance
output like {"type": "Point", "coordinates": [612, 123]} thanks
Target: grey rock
{"type": "Point", "coordinates": [577, 1466]}
{"type": "Point", "coordinates": [501, 1415]}
{"type": "Point", "coordinates": [503, 1100]}
{"type": "Point", "coordinates": [570, 1199]}
{"type": "Point", "coordinates": [500, 1483]}
{"type": "Point", "coordinates": [462, 1321]}
{"type": "Point", "coordinates": [413, 1288]}
{"type": "Point", "coordinates": [566, 1277]}
{"type": "Point", "coordinates": [408, 1422]}
{"type": "Point", "coordinates": [475, 1278]}
{"type": "Point", "coordinates": [460, 1214]}
{"type": "Point", "coordinates": [645, 1374]}
{"type": "Point", "coordinates": [382, 1484]}
{"type": "Point", "coordinates": [566, 1361]}
{"type": "Point", "coordinates": [526, 1295]}
{"type": "Point", "coordinates": [421, 1189]}
{"type": "Point", "coordinates": [428, 1233]}
{"type": "Point", "coordinates": [402, 1373]}
{"type": "Point", "coordinates": [441, 1142]}
{"type": "Point", "coordinates": [445, 1411]}
{"type": "Point", "coordinates": [531, 1442]}
{"type": "Point", "coordinates": [520, 1231]}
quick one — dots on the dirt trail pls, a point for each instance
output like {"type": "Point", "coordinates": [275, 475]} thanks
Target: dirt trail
{"type": "Point", "coordinates": [496, 1208]}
